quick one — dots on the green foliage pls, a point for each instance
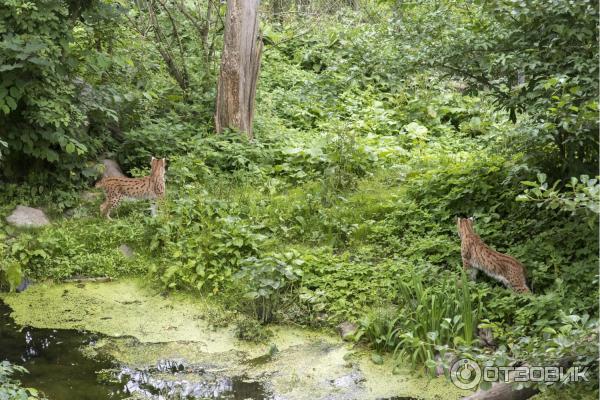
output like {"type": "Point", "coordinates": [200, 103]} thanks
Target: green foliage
{"type": "Point", "coordinates": [10, 388]}
{"type": "Point", "coordinates": [252, 330]}
{"type": "Point", "coordinates": [535, 57]}
{"type": "Point", "coordinates": [43, 121]}
{"type": "Point", "coordinates": [571, 342]}
{"type": "Point", "coordinates": [341, 287]}
{"type": "Point", "coordinates": [70, 248]}
{"type": "Point", "coordinates": [378, 328]}
{"type": "Point", "coordinates": [11, 274]}
{"type": "Point", "coordinates": [266, 279]}
{"type": "Point", "coordinates": [434, 318]}
{"type": "Point", "coordinates": [159, 138]}
{"type": "Point", "coordinates": [583, 193]}
{"type": "Point", "coordinates": [202, 243]}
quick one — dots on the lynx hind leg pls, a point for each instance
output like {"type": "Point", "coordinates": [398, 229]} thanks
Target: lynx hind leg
{"type": "Point", "coordinates": [153, 208]}
{"type": "Point", "coordinates": [473, 273]}
{"type": "Point", "coordinates": [104, 208]}
{"type": "Point", "coordinates": [112, 200]}
{"type": "Point", "coordinates": [468, 269]}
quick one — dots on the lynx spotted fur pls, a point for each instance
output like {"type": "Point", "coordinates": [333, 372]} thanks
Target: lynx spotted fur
{"type": "Point", "coordinates": [477, 256]}
{"type": "Point", "coordinates": [149, 187]}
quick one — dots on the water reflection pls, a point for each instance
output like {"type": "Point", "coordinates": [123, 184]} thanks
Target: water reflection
{"type": "Point", "coordinates": [187, 382]}
{"type": "Point", "coordinates": [58, 368]}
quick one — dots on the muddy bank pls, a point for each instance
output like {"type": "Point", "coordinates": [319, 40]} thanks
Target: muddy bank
{"type": "Point", "coordinates": [143, 331]}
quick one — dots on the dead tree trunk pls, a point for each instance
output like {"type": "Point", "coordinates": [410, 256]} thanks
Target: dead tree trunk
{"type": "Point", "coordinates": [240, 64]}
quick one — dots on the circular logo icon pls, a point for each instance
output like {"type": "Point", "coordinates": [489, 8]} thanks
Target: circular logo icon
{"type": "Point", "coordinates": [465, 374]}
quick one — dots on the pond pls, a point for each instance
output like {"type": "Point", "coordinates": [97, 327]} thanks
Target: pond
{"type": "Point", "coordinates": [59, 368]}
{"type": "Point", "coordinates": [123, 340]}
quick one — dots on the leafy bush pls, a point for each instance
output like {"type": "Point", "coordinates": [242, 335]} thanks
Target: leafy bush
{"type": "Point", "coordinates": [44, 115]}
{"type": "Point", "coordinates": [555, 85]}
{"type": "Point", "coordinates": [583, 194]}
{"type": "Point", "coordinates": [10, 388]}
{"type": "Point", "coordinates": [572, 342]}
{"type": "Point", "coordinates": [433, 319]}
{"type": "Point", "coordinates": [251, 330]}
{"type": "Point", "coordinates": [202, 243]}
{"type": "Point", "coordinates": [161, 138]}
{"type": "Point", "coordinates": [378, 328]}
{"type": "Point", "coordinates": [265, 280]}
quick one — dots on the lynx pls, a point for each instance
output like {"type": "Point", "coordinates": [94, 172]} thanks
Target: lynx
{"type": "Point", "coordinates": [477, 256]}
{"type": "Point", "coordinates": [149, 187]}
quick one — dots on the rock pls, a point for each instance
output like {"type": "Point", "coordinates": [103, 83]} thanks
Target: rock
{"type": "Point", "coordinates": [486, 337]}
{"type": "Point", "coordinates": [349, 381]}
{"type": "Point", "coordinates": [25, 282]}
{"type": "Point", "coordinates": [377, 359]}
{"type": "Point", "coordinates": [126, 251]}
{"type": "Point", "coordinates": [28, 217]}
{"type": "Point", "coordinates": [111, 168]}
{"type": "Point", "coordinates": [347, 330]}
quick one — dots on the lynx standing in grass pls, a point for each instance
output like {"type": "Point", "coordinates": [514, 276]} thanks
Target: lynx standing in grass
{"type": "Point", "coordinates": [149, 187]}
{"type": "Point", "coordinates": [477, 256]}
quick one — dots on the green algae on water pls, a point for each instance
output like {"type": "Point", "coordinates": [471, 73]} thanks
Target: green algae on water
{"type": "Point", "coordinates": [143, 327]}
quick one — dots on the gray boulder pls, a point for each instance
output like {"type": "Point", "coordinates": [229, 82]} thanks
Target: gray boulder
{"type": "Point", "coordinates": [27, 217]}
{"type": "Point", "coordinates": [347, 330]}
{"type": "Point", "coordinates": [112, 169]}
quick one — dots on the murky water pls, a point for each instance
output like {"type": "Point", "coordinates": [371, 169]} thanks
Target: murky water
{"type": "Point", "coordinates": [53, 360]}
{"type": "Point", "coordinates": [59, 369]}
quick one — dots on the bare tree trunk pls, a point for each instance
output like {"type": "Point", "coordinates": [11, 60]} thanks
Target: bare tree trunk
{"type": "Point", "coordinates": [240, 64]}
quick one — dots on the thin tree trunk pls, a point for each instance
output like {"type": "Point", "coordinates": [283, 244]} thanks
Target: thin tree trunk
{"type": "Point", "coordinates": [240, 64]}
{"type": "Point", "coordinates": [163, 48]}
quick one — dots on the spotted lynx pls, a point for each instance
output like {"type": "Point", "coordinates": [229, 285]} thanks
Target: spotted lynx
{"type": "Point", "coordinates": [149, 187]}
{"type": "Point", "coordinates": [477, 256]}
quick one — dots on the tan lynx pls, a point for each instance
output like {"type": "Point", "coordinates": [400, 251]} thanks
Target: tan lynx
{"type": "Point", "coordinates": [477, 256]}
{"type": "Point", "coordinates": [149, 187]}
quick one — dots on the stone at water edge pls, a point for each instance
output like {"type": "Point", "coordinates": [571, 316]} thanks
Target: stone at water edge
{"type": "Point", "coordinates": [27, 217]}
{"type": "Point", "coordinates": [25, 283]}
{"type": "Point", "coordinates": [347, 330]}
{"type": "Point", "coordinates": [126, 251]}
